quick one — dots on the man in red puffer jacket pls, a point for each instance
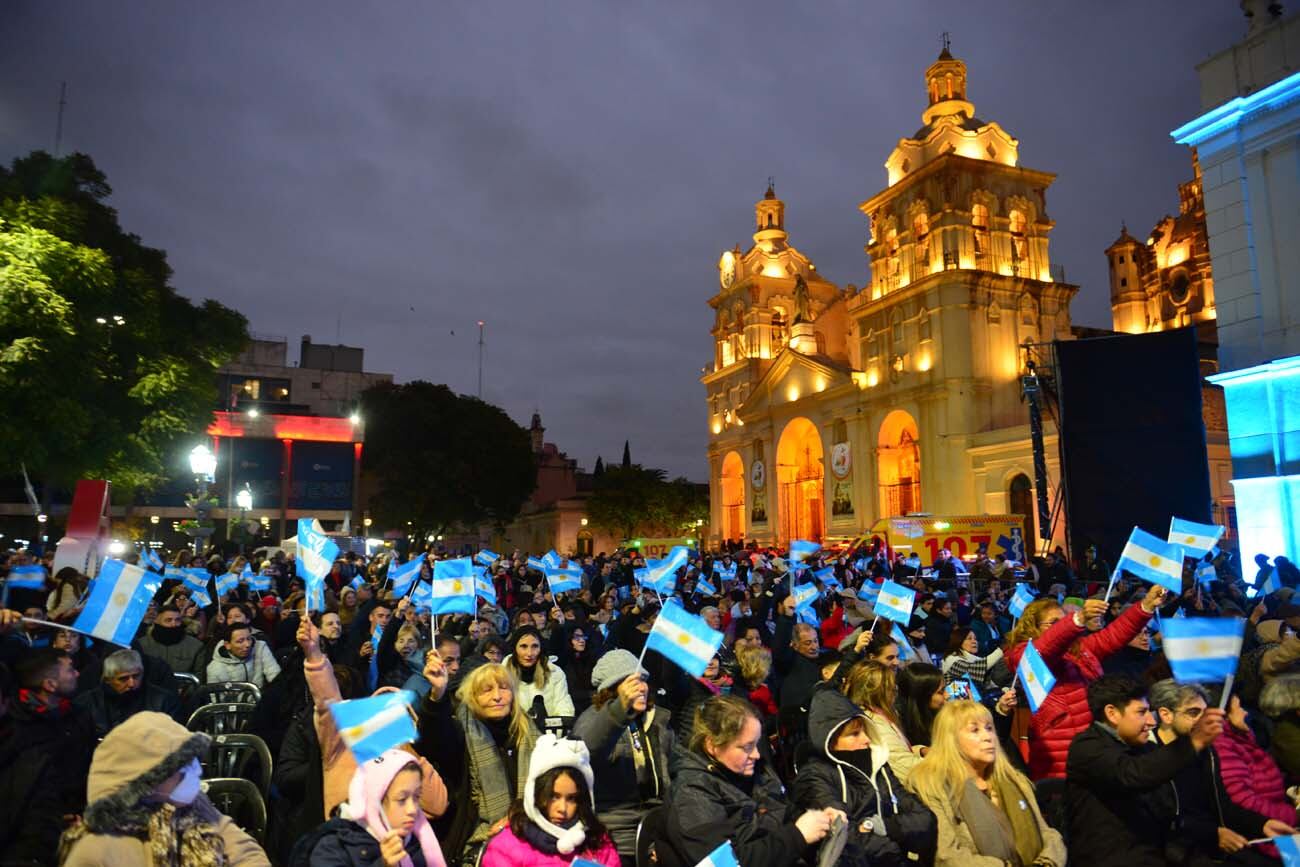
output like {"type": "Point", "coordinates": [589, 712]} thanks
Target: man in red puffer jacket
{"type": "Point", "coordinates": [1074, 655]}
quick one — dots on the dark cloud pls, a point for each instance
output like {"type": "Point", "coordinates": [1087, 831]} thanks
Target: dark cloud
{"type": "Point", "coordinates": [569, 171]}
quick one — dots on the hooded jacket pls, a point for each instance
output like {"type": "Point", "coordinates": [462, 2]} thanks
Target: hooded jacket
{"type": "Point", "coordinates": [555, 695]}
{"type": "Point", "coordinates": [259, 669]}
{"type": "Point", "coordinates": [710, 805]}
{"type": "Point", "coordinates": [118, 827]}
{"type": "Point", "coordinates": [183, 655]}
{"type": "Point", "coordinates": [887, 822]}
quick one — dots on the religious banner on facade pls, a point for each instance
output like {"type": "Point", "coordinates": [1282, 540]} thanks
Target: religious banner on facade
{"type": "Point", "coordinates": [842, 472]}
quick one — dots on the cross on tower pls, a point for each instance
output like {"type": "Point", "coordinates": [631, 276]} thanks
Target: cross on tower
{"type": "Point", "coordinates": [945, 40]}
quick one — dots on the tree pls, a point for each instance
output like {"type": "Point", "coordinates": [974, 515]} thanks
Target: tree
{"type": "Point", "coordinates": [625, 499]}
{"type": "Point", "coordinates": [599, 469]}
{"type": "Point", "coordinates": [442, 460]}
{"type": "Point", "coordinates": [104, 367]}
{"type": "Point", "coordinates": [627, 456]}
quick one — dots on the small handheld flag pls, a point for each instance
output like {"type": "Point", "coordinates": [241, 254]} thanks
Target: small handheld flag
{"type": "Point", "coordinates": [1195, 539]}
{"type": "Point", "coordinates": [226, 582]}
{"type": "Point", "coordinates": [895, 602]}
{"type": "Point", "coordinates": [1202, 649]}
{"type": "Point", "coordinates": [684, 638]}
{"type": "Point", "coordinates": [260, 582]}
{"type": "Point", "coordinates": [486, 557]}
{"type": "Point", "coordinates": [1035, 676]}
{"type": "Point", "coordinates": [702, 585]}
{"type": "Point", "coordinates": [357, 581]}
{"type": "Point", "coordinates": [1289, 847]}
{"type": "Point", "coordinates": [724, 573]}
{"type": "Point", "coordinates": [316, 556]}
{"type": "Point", "coordinates": [483, 587]}
{"type": "Point", "coordinates": [827, 577]}
{"type": "Point", "coordinates": [247, 572]}
{"type": "Point", "coordinates": [422, 596]}
{"type": "Point", "coordinates": [551, 560]}
{"type": "Point", "coordinates": [26, 578]}
{"type": "Point", "coordinates": [453, 587]}
{"type": "Point", "coordinates": [1153, 560]}
{"type": "Point", "coordinates": [151, 557]}
{"type": "Point", "coordinates": [536, 563]}
{"type": "Point", "coordinates": [869, 592]}
{"type": "Point", "coordinates": [802, 550]}
{"type": "Point", "coordinates": [1205, 573]}
{"type": "Point", "coordinates": [118, 599]}
{"type": "Point", "coordinates": [804, 596]}
{"type": "Point", "coordinates": [371, 726]}
{"type": "Point", "coordinates": [564, 580]}
{"type": "Point", "coordinates": [1020, 600]}
{"type": "Point", "coordinates": [200, 596]}
{"type": "Point", "coordinates": [1271, 583]}
{"type": "Point", "coordinates": [723, 856]}
{"type": "Point", "coordinates": [402, 577]}
{"type": "Point", "coordinates": [174, 573]}
{"type": "Point", "coordinates": [906, 652]}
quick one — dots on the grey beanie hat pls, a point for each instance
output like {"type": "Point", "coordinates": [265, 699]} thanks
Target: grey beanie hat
{"type": "Point", "coordinates": [613, 667]}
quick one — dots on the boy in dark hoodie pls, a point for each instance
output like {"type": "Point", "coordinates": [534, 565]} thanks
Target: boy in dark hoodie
{"type": "Point", "coordinates": [887, 825]}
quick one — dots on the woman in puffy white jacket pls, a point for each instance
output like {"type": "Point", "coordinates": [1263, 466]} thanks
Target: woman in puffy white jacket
{"type": "Point", "coordinates": [537, 677]}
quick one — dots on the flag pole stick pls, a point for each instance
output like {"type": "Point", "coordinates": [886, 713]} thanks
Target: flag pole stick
{"type": "Point", "coordinates": [1111, 586]}
{"type": "Point", "coordinates": [1227, 691]}
{"type": "Point", "coordinates": [71, 629]}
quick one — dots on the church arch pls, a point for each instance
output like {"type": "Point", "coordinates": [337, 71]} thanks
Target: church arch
{"type": "Point", "coordinates": [899, 464]}
{"type": "Point", "coordinates": [731, 485]}
{"type": "Point", "coordinates": [1020, 501]}
{"type": "Point", "coordinates": [800, 476]}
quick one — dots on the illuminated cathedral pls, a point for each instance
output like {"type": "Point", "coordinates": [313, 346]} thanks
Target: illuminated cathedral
{"type": "Point", "coordinates": [831, 407]}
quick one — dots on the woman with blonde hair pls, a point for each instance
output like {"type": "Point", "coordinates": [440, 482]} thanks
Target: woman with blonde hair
{"type": "Point", "coordinates": [482, 746]}
{"type": "Point", "coordinates": [873, 686]}
{"type": "Point", "coordinates": [988, 815]}
{"type": "Point", "coordinates": [753, 665]}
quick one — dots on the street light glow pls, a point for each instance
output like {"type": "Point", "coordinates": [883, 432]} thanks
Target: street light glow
{"type": "Point", "coordinates": [253, 413]}
{"type": "Point", "coordinates": [355, 418]}
{"type": "Point", "coordinates": [202, 461]}
{"type": "Point", "coordinates": [116, 547]}
{"type": "Point", "coordinates": [244, 499]}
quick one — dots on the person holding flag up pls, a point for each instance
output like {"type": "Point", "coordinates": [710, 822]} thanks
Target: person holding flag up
{"type": "Point", "coordinates": [1074, 655]}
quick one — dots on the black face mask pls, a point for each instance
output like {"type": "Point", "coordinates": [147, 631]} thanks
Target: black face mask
{"type": "Point", "coordinates": [168, 635]}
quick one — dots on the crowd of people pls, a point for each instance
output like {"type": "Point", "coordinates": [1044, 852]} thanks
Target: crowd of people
{"type": "Point", "coordinates": [548, 732]}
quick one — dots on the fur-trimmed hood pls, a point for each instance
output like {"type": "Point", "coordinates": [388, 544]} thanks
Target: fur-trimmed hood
{"type": "Point", "coordinates": [131, 761]}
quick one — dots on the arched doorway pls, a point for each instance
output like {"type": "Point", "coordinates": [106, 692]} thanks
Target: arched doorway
{"type": "Point", "coordinates": [585, 546]}
{"type": "Point", "coordinates": [1020, 501]}
{"type": "Point", "coordinates": [732, 487]}
{"type": "Point", "coordinates": [800, 476]}
{"type": "Point", "coordinates": [899, 467]}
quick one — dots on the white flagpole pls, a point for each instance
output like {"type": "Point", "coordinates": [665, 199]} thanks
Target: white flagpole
{"type": "Point", "coordinates": [1114, 576]}
{"type": "Point", "coordinates": [1227, 692]}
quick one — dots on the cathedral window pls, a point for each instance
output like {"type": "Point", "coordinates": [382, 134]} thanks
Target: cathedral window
{"type": "Point", "coordinates": [921, 234]}
{"type": "Point", "coordinates": [896, 327]}
{"type": "Point", "coordinates": [979, 217]}
{"type": "Point", "coordinates": [923, 326]}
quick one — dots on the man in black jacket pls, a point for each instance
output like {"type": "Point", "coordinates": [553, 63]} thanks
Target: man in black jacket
{"type": "Point", "coordinates": [1122, 803]}
{"type": "Point", "coordinates": [123, 692]}
{"type": "Point", "coordinates": [1214, 826]}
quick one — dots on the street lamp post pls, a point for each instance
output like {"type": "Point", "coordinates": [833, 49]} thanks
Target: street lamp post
{"type": "Point", "coordinates": [243, 499]}
{"type": "Point", "coordinates": [203, 463]}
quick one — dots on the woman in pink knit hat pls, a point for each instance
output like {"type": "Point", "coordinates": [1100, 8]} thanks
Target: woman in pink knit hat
{"type": "Point", "coordinates": [381, 823]}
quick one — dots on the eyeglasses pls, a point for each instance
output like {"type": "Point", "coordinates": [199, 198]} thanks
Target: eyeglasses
{"type": "Point", "coordinates": [579, 638]}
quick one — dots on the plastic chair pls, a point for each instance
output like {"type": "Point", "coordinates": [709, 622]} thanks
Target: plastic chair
{"type": "Point", "coordinates": [221, 719]}
{"type": "Point", "coordinates": [224, 693]}
{"type": "Point", "coordinates": [241, 755]}
{"type": "Point", "coordinates": [242, 802]}
{"type": "Point", "coordinates": [185, 683]}
{"type": "Point", "coordinates": [653, 848]}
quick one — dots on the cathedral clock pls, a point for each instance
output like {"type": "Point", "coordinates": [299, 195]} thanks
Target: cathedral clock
{"type": "Point", "coordinates": [727, 269]}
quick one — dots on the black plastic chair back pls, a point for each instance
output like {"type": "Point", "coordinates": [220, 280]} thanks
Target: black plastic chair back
{"type": "Point", "coordinates": [241, 755]}
{"type": "Point", "coordinates": [231, 692]}
{"type": "Point", "coordinates": [242, 802]}
{"type": "Point", "coordinates": [221, 719]}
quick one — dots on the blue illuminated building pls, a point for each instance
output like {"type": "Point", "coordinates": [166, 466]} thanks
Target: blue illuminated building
{"type": "Point", "coordinates": [1248, 142]}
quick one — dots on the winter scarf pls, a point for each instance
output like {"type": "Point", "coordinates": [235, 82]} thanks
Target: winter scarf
{"type": "Point", "coordinates": [490, 782]}
{"type": "Point", "coordinates": [37, 706]}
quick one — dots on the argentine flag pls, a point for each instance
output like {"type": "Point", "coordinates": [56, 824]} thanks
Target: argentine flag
{"type": "Point", "coordinates": [486, 557]}
{"type": "Point", "coordinates": [661, 575]}
{"type": "Point", "coordinates": [702, 585]}
{"type": "Point", "coordinates": [1289, 846]}
{"type": "Point", "coordinates": [537, 563]}
{"type": "Point", "coordinates": [316, 556]}
{"type": "Point", "coordinates": [1022, 597]}
{"type": "Point", "coordinates": [906, 652]}
{"type": "Point", "coordinates": [869, 592]}
{"type": "Point", "coordinates": [723, 856]}
{"type": "Point", "coordinates": [247, 574]}
{"type": "Point", "coordinates": [804, 596]}
{"type": "Point", "coordinates": [260, 582]}
{"type": "Point", "coordinates": [1195, 539]}
{"type": "Point", "coordinates": [453, 587]}
{"type": "Point", "coordinates": [175, 573]}
{"type": "Point", "coordinates": [827, 577]}
{"type": "Point", "coordinates": [1271, 583]}
{"type": "Point", "coordinates": [1153, 560]}
{"type": "Point", "coordinates": [564, 580]}
{"type": "Point", "coordinates": [895, 602]}
{"type": "Point", "coordinates": [685, 639]}
{"type": "Point", "coordinates": [26, 578]}
{"type": "Point", "coordinates": [151, 557]}
{"type": "Point", "coordinates": [1035, 676]}
{"type": "Point", "coordinates": [1202, 648]}
{"type": "Point", "coordinates": [226, 582]}
{"type": "Point", "coordinates": [724, 573]}
{"type": "Point", "coordinates": [357, 581]}
{"type": "Point", "coordinates": [422, 596]}
{"type": "Point", "coordinates": [402, 577]}
{"type": "Point", "coordinates": [483, 587]}
{"type": "Point", "coordinates": [371, 726]}
{"type": "Point", "coordinates": [117, 602]}
{"type": "Point", "coordinates": [1205, 573]}
{"type": "Point", "coordinates": [801, 550]}
{"type": "Point", "coordinates": [200, 596]}
{"type": "Point", "coordinates": [551, 560]}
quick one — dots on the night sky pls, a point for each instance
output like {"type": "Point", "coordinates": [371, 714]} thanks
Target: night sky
{"type": "Point", "coordinates": [389, 173]}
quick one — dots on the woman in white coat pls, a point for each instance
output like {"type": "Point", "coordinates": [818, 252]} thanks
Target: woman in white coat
{"type": "Point", "coordinates": [537, 677]}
